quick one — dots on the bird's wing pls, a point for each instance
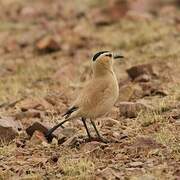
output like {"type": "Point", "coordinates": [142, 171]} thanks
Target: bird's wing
{"type": "Point", "coordinates": [93, 94]}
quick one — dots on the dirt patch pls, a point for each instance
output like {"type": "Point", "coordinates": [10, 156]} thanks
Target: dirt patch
{"type": "Point", "coordinates": [46, 48]}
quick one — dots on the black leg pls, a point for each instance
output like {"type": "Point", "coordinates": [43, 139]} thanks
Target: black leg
{"type": "Point", "coordinates": [95, 128]}
{"type": "Point", "coordinates": [97, 132]}
{"type": "Point", "coordinates": [85, 125]}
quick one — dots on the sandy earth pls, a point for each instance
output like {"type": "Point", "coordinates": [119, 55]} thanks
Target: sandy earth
{"type": "Point", "coordinates": [45, 53]}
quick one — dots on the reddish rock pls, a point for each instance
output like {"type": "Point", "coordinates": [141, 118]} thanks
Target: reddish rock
{"type": "Point", "coordinates": [9, 129]}
{"type": "Point", "coordinates": [146, 142]}
{"type": "Point", "coordinates": [28, 114]}
{"type": "Point", "coordinates": [47, 44]}
{"type": "Point", "coordinates": [38, 138]}
{"type": "Point", "coordinates": [152, 89]}
{"type": "Point", "coordinates": [131, 109]}
{"type": "Point", "coordinates": [34, 103]}
{"type": "Point", "coordinates": [139, 70]}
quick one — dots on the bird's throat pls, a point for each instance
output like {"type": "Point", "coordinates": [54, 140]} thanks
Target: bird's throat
{"type": "Point", "coordinates": [103, 71]}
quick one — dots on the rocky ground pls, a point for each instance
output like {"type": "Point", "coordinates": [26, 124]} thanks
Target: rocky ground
{"type": "Point", "coordinates": [45, 52]}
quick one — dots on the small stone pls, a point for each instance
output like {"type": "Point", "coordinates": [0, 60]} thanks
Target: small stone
{"type": "Point", "coordinates": [131, 109]}
{"type": "Point", "coordinates": [177, 122]}
{"type": "Point", "coordinates": [71, 142]}
{"type": "Point", "coordinates": [61, 138]}
{"type": "Point", "coordinates": [111, 122]}
{"type": "Point", "coordinates": [143, 78]}
{"type": "Point", "coordinates": [36, 126]}
{"type": "Point", "coordinates": [152, 89]}
{"type": "Point", "coordinates": [116, 135]}
{"type": "Point", "coordinates": [40, 128]}
{"type": "Point", "coordinates": [55, 158]}
{"type": "Point", "coordinates": [38, 138]}
{"type": "Point", "coordinates": [47, 44]}
{"type": "Point", "coordinates": [146, 142]}
{"type": "Point", "coordinates": [9, 129]}
{"type": "Point", "coordinates": [33, 104]}
{"type": "Point", "coordinates": [99, 18]}
{"type": "Point", "coordinates": [68, 132]}
{"type": "Point", "coordinates": [136, 164]}
{"type": "Point", "coordinates": [109, 173]}
{"type": "Point", "coordinates": [54, 141]}
{"type": "Point", "coordinates": [28, 12]}
{"type": "Point", "coordinates": [28, 114]}
{"type": "Point", "coordinates": [147, 177]}
{"type": "Point", "coordinates": [45, 144]}
{"type": "Point", "coordinates": [91, 146]}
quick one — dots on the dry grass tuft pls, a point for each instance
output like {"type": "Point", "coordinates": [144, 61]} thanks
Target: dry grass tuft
{"type": "Point", "coordinates": [146, 118]}
{"type": "Point", "coordinates": [80, 168]}
{"type": "Point", "coordinates": [170, 139]}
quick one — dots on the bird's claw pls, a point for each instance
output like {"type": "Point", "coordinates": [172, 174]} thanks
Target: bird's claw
{"type": "Point", "coordinates": [98, 139]}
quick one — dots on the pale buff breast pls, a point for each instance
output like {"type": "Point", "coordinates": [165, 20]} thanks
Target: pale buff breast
{"type": "Point", "coordinates": [98, 97]}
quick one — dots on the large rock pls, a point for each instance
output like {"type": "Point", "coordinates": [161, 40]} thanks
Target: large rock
{"type": "Point", "coordinates": [47, 44]}
{"type": "Point", "coordinates": [143, 70]}
{"type": "Point", "coordinates": [9, 129]}
{"type": "Point", "coordinates": [153, 88]}
{"type": "Point", "coordinates": [131, 109]}
{"type": "Point", "coordinates": [34, 103]}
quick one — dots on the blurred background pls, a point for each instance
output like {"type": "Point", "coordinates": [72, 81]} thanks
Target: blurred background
{"type": "Point", "coordinates": [47, 45]}
{"type": "Point", "coordinates": [46, 48]}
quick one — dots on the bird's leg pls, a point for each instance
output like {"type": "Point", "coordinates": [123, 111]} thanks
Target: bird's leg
{"type": "Point", "coordinates": [94, 125]}
{"type": "Point", "coordinates": [85, 125]}
{"type": "Point", "coordinates": [97, 132]}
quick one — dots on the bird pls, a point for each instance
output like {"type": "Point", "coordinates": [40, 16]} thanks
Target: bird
{"type": "Point", "coordinates": [97, 97]}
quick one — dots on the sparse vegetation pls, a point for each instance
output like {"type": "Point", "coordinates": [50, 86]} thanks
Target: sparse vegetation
{"type": "Point", "coordinates": [80, 168]}
{"type": "Point", "coordinates": [151, 140]}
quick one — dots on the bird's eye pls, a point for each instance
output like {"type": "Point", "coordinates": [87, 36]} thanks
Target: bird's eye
{"type": "Point", "coordinates": [109, 55]}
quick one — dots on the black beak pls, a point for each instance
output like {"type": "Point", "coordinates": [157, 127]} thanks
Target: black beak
{"type": "Point", "coordinates": [118, 56]}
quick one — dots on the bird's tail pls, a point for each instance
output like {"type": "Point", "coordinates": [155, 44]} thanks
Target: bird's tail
{"type": "Point", "coordinates": [66, 117]}
{"type": "Point", "coordinates": [70, 111]}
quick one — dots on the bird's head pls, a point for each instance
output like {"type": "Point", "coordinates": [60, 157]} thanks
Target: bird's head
{"type": "Point", "coordinates": [103, 60]}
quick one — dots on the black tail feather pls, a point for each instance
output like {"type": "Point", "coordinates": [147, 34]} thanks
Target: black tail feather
{"type": "Point", "coordinates": [70, 111]}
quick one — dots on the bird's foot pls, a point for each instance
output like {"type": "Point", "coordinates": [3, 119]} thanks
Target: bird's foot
{"type": "Point", "coordinates": [98, 139]}
{"type": "Point", "coordinates": [101, 139]}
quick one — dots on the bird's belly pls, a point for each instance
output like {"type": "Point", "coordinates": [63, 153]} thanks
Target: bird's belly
{"type": "Point", "coordinates": [99, 110]}
{"type": "Point", "coordinates": [100, 105]}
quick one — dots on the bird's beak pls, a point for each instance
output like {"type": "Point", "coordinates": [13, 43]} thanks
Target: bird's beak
{"type": "Point", "coordinates": [118, 56]}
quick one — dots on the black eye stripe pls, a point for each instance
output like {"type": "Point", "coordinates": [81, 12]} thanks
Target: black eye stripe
{"type": "Point", "coordinates": [109, 55]}
{"type": "Point", "coordinates": [98, 54]}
